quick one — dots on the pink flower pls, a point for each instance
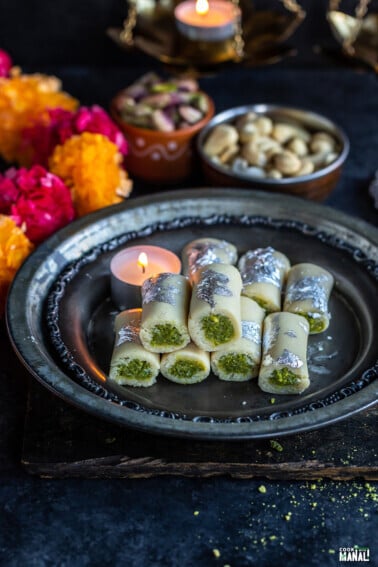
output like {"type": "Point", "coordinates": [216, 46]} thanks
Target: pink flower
{"type": "Point", "coordinates": [42, 138]}
{"type": "Point", "coordinates": [97, 121]}
{"type": "Point", "coordinates": [38, 200]}
{"type": "Point", "coordinates": [5, 63]}
{"type": "Point", "coordinates": [9, 192]}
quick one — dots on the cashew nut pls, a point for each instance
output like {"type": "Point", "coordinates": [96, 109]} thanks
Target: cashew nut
{"type": "Point", "coordinates": [220, 138]}
{"type": "Point", "coordinates": [286, 162]}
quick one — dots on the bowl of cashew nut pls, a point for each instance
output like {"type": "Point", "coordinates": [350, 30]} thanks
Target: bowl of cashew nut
{"type": "Point", "coordinates": [274, 148]}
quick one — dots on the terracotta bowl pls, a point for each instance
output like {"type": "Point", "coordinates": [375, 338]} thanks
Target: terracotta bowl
{"type": "Point", "coordinates": [317, 185]}
{"type": "Point", "coordinates": [160, 157]}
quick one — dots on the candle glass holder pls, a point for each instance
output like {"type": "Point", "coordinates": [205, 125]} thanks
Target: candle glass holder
{"type": "Point", "coordinates": [258, 39]}
{"type": "Point", "coordinates": [209, 36]}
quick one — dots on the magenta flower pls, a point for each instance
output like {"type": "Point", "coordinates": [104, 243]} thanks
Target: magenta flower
{"type": "Point", "coordinates": [9, 192]}
{"type": "Point", "coordinates": [97, 121]}
{"type": "Point", "coordinates": [42, 138]}
{"type": "Point", "coordinates": [5, 63]}
{"type": "Point", "coordinates": [37, 200]}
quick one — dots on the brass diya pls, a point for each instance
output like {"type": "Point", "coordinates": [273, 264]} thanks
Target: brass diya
{"type": "Point", "coordinates": [258, 36]}
{"type": "Point", "coordinates": [358, 33]}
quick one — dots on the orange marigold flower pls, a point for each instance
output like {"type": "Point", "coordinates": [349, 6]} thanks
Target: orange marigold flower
{"type": "Point", "coordinates": [14, 248]}
{"type": "Point", "coordinates": [24, 99]}
{"type": "Point", "coordinates": [90, 165]}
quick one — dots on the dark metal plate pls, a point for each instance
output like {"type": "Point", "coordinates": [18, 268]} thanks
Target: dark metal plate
{"type": "Point", "coordinates": [60, 315]}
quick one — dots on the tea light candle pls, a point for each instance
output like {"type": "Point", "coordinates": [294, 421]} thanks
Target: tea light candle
{"type": "Point", "coordinates": [131, 266]}
{"type": "Point", "coordinates": [199, 20]}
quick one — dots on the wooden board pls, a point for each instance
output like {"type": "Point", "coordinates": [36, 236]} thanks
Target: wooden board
{"type": "Point", "coordinates": [61, 441]}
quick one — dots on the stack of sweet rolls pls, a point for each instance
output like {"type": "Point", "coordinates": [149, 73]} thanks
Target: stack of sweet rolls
{"type": "Point", "coordinates": [242, 322]}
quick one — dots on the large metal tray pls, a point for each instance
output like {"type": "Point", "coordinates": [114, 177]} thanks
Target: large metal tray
{"type": "Point", "coordinates": [60, 315]}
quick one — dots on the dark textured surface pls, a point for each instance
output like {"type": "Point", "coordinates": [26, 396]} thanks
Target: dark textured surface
{"type": "Point", "coordinates": [61, 441]}
{"type": "Point", "coordinates": [151, 522]}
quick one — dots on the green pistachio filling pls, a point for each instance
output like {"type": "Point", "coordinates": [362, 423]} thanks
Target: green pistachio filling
{"type": "Point", "coordinates": [236, 363]}
{"type": "Point", "coordinates": [217, 329]}
{"type": "Point", "coordinates": [317, 324]}
{"type": "Point", "coordinates": [184, 369]}
{"type": "Point", "coordinates": [284, 377]}
{"type": "Point", "coordinates": [166, 335]}
{"type": "Point", "coordinates": [134, 369]}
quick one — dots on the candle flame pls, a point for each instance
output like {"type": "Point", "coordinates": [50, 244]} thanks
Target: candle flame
{"type": "Point", "coordinates": [202, 7]}
{"type": "Point", "coordinates": [143, 261]}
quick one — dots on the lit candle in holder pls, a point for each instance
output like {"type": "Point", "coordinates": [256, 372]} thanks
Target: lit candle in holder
{"type": "Point", "coordinates": [143, 261]}
{"type": "Point", "coordinates": [130, 267]}
{"type": "Point", "coordinates": [203, 21]}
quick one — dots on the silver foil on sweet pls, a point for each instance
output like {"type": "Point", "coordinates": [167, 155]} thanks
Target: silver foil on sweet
{"type": "Point", "coordinates": [291, 334]}
{"type": "Point", "coordinates": [271, 335]}
{"type": "Point", "coordinates": [212, 283]}
{"type": "Point", "coordinates": [261, 266]}
{"type": "Point", "coordinates": [319, 355]}
{"type": "Point", "coordinates": [156, 289]}
{"type": "Point", "coordinates": [288, 358]}
{"type": "Point", "coordinates": [251, 331]}
{"type": "Point", "coordinates": [128, 334]}
{"type": "Point", "coordinates": [204, 253]}
{"type": "Point", "coordinates": [310, 288]}
{"type": "Point", "coordinates": [304, 325]}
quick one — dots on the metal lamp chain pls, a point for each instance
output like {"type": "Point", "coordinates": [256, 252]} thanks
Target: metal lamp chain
{"type": "Point", "coordinates": [238, 35]}
{"type": "Point", "coordinates": [293, 6]}
{"type": "Point", "coordinates": [127, 34]}
{"type": "Point", "coordinates": [333, 5]}
{"type": "Point", "coordinates": [362, 9]}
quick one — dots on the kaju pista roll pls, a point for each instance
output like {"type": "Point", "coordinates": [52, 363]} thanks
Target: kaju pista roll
{"type": "Point", "coordinates": [214, 315]}
{"type": "Point", "coordinates": [283, 367]}
{"type": "Point", "coordinates": [240, 360]}
{"type": "Point", "coordinates": [188, 365]}
{"type": "Point", "coordinates": [307, 293]}
{"type": "Point", "coordinates": [205, 251]}
{"type": "Point", "coordinates": [165, 304]}
{"type": "Point", "coordinates": [131, 364]}
{"type": "Point", "coordinates": [263, 273]}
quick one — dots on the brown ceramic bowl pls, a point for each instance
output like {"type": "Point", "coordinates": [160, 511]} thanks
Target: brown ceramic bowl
{"type": "Point", "coordinates": [160, 157]}
{"type": "Point", "coordinates": [317, 185]}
